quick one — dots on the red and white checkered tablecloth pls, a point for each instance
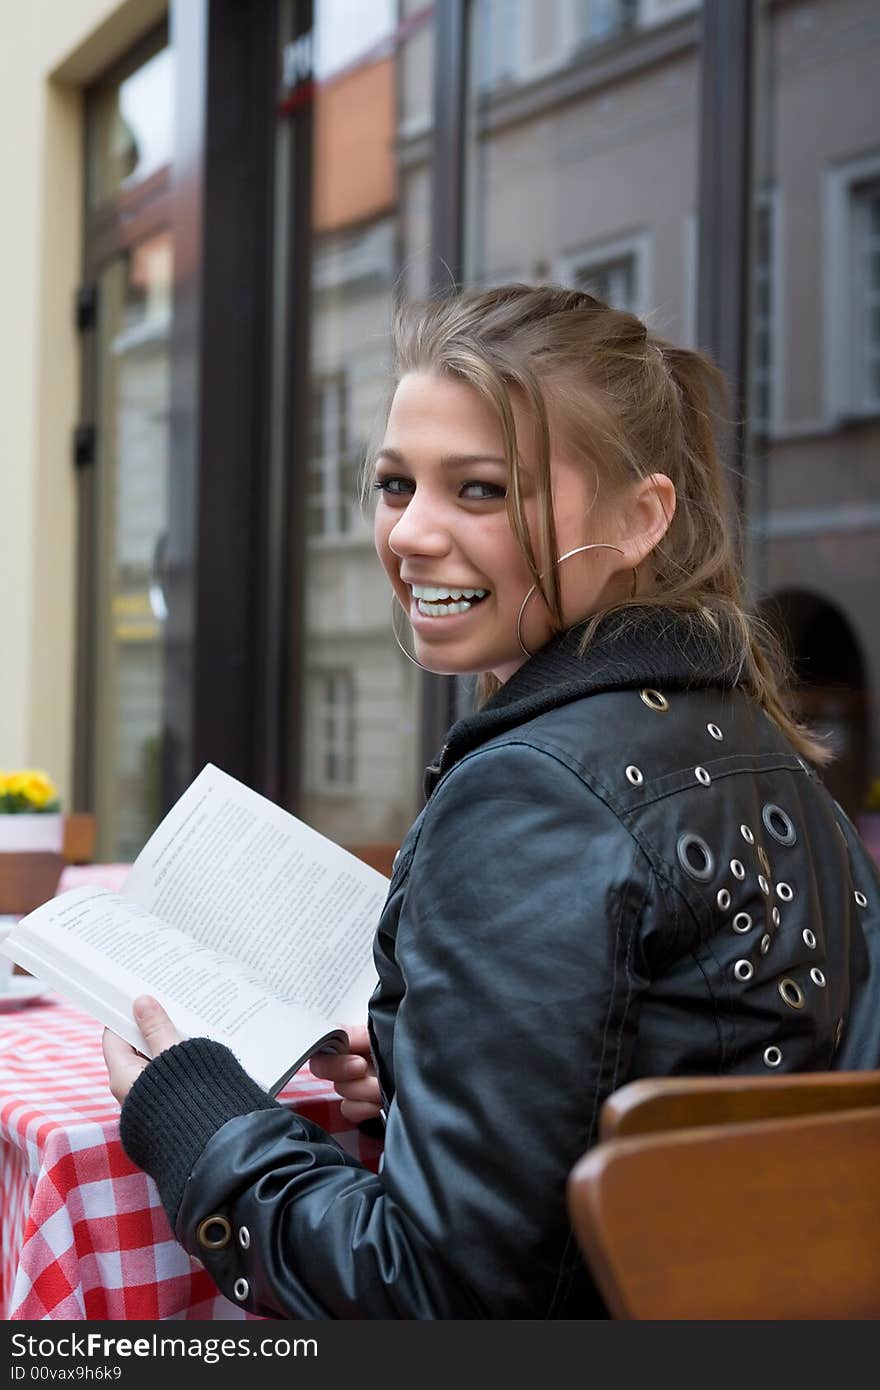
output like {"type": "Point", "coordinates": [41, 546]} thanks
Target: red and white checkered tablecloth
{"type": "Point", "coordinates": [83, 1231]}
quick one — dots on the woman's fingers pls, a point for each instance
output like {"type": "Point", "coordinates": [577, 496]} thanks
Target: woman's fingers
{"type": "Point", "coordinates": [356, 1112]}
{"type": "Point", "coordinates": [124, 1065]}
{"type": "Point", "coordinates": [359, 1040]}
{"type": "Point", "coordinates": [158, 1030]}
{"type": "Point", "coordinates": [366, 1090]}
{"type": "Point", "coordinates": [342, 1067]}
{"type": "Point", "coordinates": [353, 1076]}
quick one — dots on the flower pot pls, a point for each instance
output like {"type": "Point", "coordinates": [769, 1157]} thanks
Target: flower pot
{"type": "Point", "coordinates": [29, 831]}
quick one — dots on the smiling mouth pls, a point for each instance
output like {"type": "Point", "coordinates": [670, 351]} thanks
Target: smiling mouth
{"type": "Point", "coordinates": [446, 607]}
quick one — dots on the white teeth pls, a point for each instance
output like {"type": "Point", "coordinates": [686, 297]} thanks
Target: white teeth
{"type": "Point", "coordinates": [442, 610]}
{"type": "Point", "coordinates": [431, 594]}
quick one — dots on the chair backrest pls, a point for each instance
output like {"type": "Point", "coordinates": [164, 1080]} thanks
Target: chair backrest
{"type": "Point", "coordinates": [770, 1219]}
{"type": "Point", "coordinates": [379, 856]}
{"type": "Point", "coordinates": [658, 1103]}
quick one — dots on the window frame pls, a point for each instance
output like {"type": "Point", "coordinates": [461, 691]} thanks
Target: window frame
{"type": "Point", "coordinates": [638, 245]}
{"type": "Point", "coordinates": [841, 402]}
{"type": "Point", "coordinates": [325, 683]}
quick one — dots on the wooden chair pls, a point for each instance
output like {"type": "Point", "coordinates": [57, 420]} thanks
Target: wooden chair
{"type": "Point", "coordinates": [767, 1219]}
{"type": "Point", "coordinates": [658, 1103]}
{"type": "Point", "coordinates": [379, 856]}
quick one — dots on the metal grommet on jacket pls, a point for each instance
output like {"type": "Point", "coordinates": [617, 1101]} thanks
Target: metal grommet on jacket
{"type": "Point", "coordinates": [695, 856]}
{"type": "Point", "coordinates": [792, 993]}
{"type": "Point", "coordinates": [244, 1237]}
{"type": "Point", "coordinates": [779, 824]}
{"type": "Point", "coordinates": [241, 1288]}
{"type": "Point", "coordinates": [214, 1233]}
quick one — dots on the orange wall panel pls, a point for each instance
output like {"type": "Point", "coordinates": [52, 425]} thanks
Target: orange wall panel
{"type": "Point", "coordinates": [355, 163]}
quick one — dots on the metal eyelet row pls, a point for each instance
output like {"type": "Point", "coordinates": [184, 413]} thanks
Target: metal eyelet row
{"type": "Point", "coordinates": [860, 898]}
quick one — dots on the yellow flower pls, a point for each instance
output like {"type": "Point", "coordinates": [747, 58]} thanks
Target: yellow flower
{"type": "Point", "coordinates": [32, 784]}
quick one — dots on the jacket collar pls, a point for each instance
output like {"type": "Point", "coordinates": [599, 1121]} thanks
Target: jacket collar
{"type": "Point", "coordinates": [651, 648]}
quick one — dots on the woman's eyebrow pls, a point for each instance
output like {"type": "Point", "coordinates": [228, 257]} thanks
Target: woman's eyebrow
{"type": "Point", "coordinates": [448, 461]}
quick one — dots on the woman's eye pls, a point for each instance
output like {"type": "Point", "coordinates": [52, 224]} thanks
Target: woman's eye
{"type": "Point", "coordinates": [390, 486]}
{"type": "Point", "coordinates": [489, 490]}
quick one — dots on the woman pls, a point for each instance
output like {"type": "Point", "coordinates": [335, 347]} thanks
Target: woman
{"type": "Point", "coordinates": [625, 866]}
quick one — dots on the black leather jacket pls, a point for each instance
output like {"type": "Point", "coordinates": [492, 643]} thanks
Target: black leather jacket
{"type": "Point", "coordinates": [623, 870]}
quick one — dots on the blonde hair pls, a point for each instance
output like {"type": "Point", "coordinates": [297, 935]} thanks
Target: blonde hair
{"type": "Point", "coordinates": [630, 404]}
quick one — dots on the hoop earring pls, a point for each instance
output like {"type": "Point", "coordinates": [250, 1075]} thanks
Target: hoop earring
{"type": "Point", "coordinates": [596, 545]}
{"type": "Point", "coordinates": [395, 608]}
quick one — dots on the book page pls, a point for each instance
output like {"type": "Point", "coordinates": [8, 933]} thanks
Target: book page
{"type": "Point", "coordinates": [101, 951]}
{"type": "Point", "coordinates": [239, 874]}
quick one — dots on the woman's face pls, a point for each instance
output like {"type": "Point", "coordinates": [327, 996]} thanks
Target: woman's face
{"type": "Point", "coordinates": [441, 525]}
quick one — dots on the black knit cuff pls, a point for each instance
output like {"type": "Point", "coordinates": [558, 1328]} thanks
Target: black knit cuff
{"type": "Point", "coordinates": [177, 1104]}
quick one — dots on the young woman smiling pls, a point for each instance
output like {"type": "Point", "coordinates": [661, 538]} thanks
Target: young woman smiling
{"type": "Point", "coordinates": [625, 866]}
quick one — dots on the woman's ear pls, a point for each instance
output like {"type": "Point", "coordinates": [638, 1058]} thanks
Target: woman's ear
{"type": "Point", "coordinates": [649, 516]}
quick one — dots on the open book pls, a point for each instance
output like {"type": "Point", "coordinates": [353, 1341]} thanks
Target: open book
{"type": "Point", "coordinates": [247, 925]}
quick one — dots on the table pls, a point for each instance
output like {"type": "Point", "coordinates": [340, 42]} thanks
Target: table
{"type": "Point", "coordinates": [83, 1232]}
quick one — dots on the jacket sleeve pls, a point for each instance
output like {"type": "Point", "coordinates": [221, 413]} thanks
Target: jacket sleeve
{"type": "Point", "coordinates": [519, 941]}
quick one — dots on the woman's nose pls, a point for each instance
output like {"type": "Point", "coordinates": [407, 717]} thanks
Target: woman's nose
{"type": "Point", "coordinates": [419, 531]}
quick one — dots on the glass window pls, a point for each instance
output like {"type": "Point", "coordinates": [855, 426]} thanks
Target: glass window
{"type": "Point", "coordinates": [334, 694]}
{"type": "Point", "coordinates": [370, 241]}
{"type": "Point", "coordinates": [812, 468]}
{"type": "Point", "coordinates": [128, 258]}
{"type": "Point", "coordinates": [865, 211]}
{"type": "Point", "coordinates": [131, 127]}
{"type": "Point", "coordinates": [580, 153]}
{"type": "Point", "coordinates": [133, 412]}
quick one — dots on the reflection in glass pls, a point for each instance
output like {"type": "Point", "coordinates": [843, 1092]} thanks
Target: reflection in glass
{"type": "Point", "coordinates": [814, 484]}
{"type": "Point", "coordinates": [580, 153]}
{"type": "Point", "coordinates": [133, 414]}
{"type": "Point", "coordinates": [131, 128]}
{"type": "Point", "coordinates": [360, 695]}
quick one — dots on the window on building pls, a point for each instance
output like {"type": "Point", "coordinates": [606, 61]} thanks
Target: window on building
{"type": "Point", "coordinates": [763, 328]}
{"type": "Point", "coordinates": [866, 292]}
{"type": "Point", "coordinates": [852, 302]}
{"type": "Point", "coordinates": [332, 704]}
{"type": "Point", "coordinates": [614, 281]}
{"type": "Point", "coordinates": [615, 272]}
{"type": "Point", "coordinates": [599, 20]}
{"type": "Point", "coordinates": [333, 463]}
{"type": "Point", "coordinates": [500, 42]}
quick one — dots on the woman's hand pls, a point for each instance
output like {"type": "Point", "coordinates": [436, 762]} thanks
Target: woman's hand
{"type": "Point", "coordinates": [124, 1064]}
{"type": "Point", "coordinates": [353, 1075]}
